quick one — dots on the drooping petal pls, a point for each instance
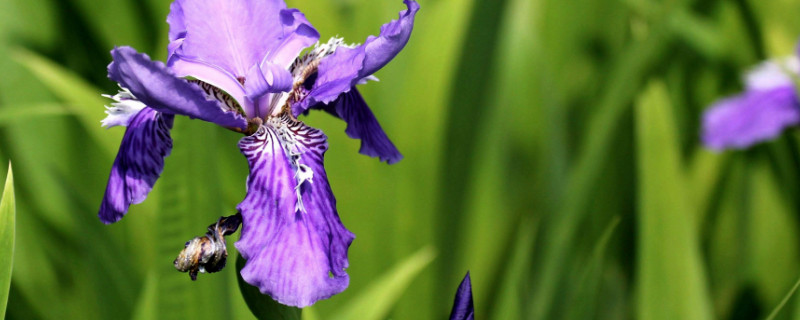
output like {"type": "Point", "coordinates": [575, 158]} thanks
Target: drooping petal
{"type": "Point", "coordinates": [138, 164]}
{"type": "Point", "coordinates": [754, 116]}
{"type": "Point", "coordinates": [463, 308]}
{"type": "Point", "coordinates": [348, 66]}
{"type": "Point", "coordinates": [292, 238]}
{"type": "Point", "coordinates": [154, 85]}
{"type": "Point", "coordinates": [361, 124]}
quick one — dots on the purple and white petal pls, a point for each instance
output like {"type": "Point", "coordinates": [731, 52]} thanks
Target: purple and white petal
{"type": "Point", "coordinates": [749, 118]}
{"type": "Point", "coordinates": [122, 110]}
{"type": "Point", "coordinates": [157, 87]}
{"type": "Point", "coordinates": [345, 66]}
{"type": "Point", "coordinates": [463, 308]}
{"type": "Point", "coordinates": [773, 74]}
{"type": "Point", "coordinates": [139, 163]}
{"type": "Point", "coordinates": [361, 124]}
{"type": "Point", "coordinates": [292, 238]}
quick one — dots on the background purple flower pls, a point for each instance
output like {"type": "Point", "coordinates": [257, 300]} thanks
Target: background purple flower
{"type": "Point", "coordinates": [768, 105]}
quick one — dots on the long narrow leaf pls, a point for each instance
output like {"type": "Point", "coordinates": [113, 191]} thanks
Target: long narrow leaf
{"type": "Point", "coordinates": [671, 279]}
{"type": "Point", "coordinates": [83, 99]}
{"type": "Point", "coordinates": [375, 302]}
{"type": "Point", "coordinates": [7, 229]}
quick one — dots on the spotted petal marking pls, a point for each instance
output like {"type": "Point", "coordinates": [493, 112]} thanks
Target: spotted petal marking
{"type": "Point", "coordinates": [297, 254]}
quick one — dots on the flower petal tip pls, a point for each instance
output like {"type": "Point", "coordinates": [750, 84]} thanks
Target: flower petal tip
{"type": "Point", "coordinates": [463, 307]}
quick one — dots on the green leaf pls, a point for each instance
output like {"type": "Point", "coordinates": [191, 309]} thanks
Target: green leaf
{"type": "Point", "coordinates": [261, 305]}
{"type": "Point", "coordinates": [7, 228]}
{"type": "Point", "coordinates": [783, 302]}
{"type": "Point", "coordinates": [32, 111]}
{"type": "Point", "coordinates": [190, 200]}
{"type": "Point", "coordinates": [80, 97]}
{"type": "Point", "coordinates": [671, 280]}
{"type": "Point", "coordinates": [378, 298]}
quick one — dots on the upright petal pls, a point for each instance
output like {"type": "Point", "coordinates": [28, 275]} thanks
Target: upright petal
{"type": "Point", "coordinates": [138, 164]}
{"type": "Point", "coordinates": [292, 238]}
{"type": "Point", "coordinates": [393, 37]}
{"type": "Point", "coordinates": [361, 124]}
{"type": "Point", "coordinates": [298, 34]}
{"type": "Point", "coordinates": [347, 66]}
{"type": "Point", "coordinates": [154, 85]}
{"type": "Point", "coordinates": [752, 117]}
{"type": "Point", "coordinates": [463, 308]}
{"type": "Point", "coordinates": [233, 35]}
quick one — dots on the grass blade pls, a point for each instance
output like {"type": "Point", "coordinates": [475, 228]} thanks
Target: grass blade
{"type": "Point", "coordinates": [7, 229]}
{"type": "Point", "coordinates": [375, 302]}
{"type": "Point", "coordinates": [671, 278]}
{"type": "Point", "coordinates": [83, 99]}
{"type": "Point", "coordinates": [783, 302]}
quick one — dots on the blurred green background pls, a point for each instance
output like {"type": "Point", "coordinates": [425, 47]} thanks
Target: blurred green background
{"type": "Point", "coordinates": [551, 149]}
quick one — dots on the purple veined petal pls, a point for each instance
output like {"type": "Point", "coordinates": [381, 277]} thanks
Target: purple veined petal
{"type": "Point", "coordinates": [361, 124]}
{"type": "Point", "coordinates": [139, 163]}
{"type": "Point", "coordinates": [154, 85]}
{"type": "Point", "coordinates": [232, 35]}
{"type": "Point", "coordinates": [463, 308]}
{"type": "Point", "coordinates": [214, 76]}
{"type": "Point", "coordinates": [298, 34]}
{"type": "Point", "coordinates": [296, 251]}
{"type": "Point", "coordinates": [336, 74]}
{"type": "Point", "coordinates": [346, 66]}
{"type": "Point", "coordinates": [749, 118]}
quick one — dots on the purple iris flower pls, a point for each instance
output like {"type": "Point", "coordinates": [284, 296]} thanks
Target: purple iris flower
{"type": "Point", "coordinates": [463, 308]}
{"type": "Point", "coordinates": [235, 63]}
{"type": "Point", "coordinates": [768, 106]}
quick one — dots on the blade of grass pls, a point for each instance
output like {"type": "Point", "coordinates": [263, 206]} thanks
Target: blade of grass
{"type": "Point", "coordinates": [29, 112]}
{"type": "Point", "coordinates": [671, 280]}
{"type": "Point", "coordinates": [585, 299]}
{"type": "Point", "coordinates": [467, 103]}
{"type": "Point", "coordinates": [378, 298]}
{"type": "Point", "coordinates": [785, 299]}
{"type": "Point", "coordinates": [7, 229]}
{"type": "Point", "coordinates": [83, 99]}
{"type": "Point", "coordinates": [634, 65]}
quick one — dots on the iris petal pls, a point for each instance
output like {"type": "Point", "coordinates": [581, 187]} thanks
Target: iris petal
{"type": "Point", "coordinates": [228, 39]}
{"type": "Point", "coordinates": [139, 163]}
{"type": "Point", "coordinates": [155, 86]}
{"type": "Point", "coordinates": [463, 308]}
{"type": "Point", "coordinates": [361, 124]}
{"type": "Point", "coordinates": [752, 117]}
{"type": "Point", "coordinates": [347, 67]}
{"type": "Point", "coordinates": [296, 251]}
